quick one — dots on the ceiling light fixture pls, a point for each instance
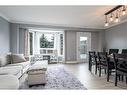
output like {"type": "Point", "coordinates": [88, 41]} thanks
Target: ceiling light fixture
{"type": "Point", "coordinates": [111, 18]}
{"type": "Point", "coordinates": [114, 14]}
{"type": "Point", "coordinates": [117, 17]}
{"type": "Point", "coordinates": [106, 21]}
{"type": "Point", "coordinates": [124, 10]}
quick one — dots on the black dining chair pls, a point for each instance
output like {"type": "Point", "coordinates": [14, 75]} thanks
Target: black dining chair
{"type": "Point", "coordinates": [104, 63]}
{"type": "Point", "coordinates": [111, 51]}
{"type": "Point", "coordinates": [120, 66]}
{"type": "Point", "coordinates": [124, 51]}
{"type": "Point", "coordinates": [93, 61]}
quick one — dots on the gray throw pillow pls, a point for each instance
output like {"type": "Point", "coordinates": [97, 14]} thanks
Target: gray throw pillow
{"type": "Point", "coordinates": [4, 60]}
{"type": "Point", "coordinates": [17, 58]}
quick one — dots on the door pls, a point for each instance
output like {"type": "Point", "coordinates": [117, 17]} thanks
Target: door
{"type": "Point", "coordinates": [83, 46]}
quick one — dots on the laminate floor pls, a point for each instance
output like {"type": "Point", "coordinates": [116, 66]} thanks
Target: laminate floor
{"type": "Point", "coordinates": [89, 79]}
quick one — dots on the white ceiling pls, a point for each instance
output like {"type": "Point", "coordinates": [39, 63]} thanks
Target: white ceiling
{"type": "Point", "coordinates": [70, 16]}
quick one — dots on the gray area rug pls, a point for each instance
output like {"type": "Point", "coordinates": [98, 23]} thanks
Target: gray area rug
{"type": "Point", "coordinates": [57, 78]}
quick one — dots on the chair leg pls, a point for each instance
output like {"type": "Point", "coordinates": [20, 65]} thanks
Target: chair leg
{"type": "Point", "coordinates": [122, 78]}
{"type": "Point", "coordinates": [99, 71]}
{"type": "Point", "coordinates": [126, 80]}
{"type": "Point", "coordinates": [116, 79]}
{"type": "Point", "coordinates": [96, 69]}
{"type": "Point", "coordinates": [89, 65]}
{"type": "Point", "coordinates": [119, 77]}
{"type": "Point", "coordinates": [105, 71]}
{"type": "Point", "coordinates": [108, 73]}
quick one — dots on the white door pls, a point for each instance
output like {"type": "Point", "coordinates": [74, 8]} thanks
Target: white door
{"type": "Point", "coordinates": [83, 46]}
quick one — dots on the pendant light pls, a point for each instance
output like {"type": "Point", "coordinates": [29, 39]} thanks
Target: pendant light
{"type": "Point", "coordinates": [117, 17]}
{"type": "Point", "coordinates": [106, 21]}
{"type": "Point", "coordinates": [111, 17]}
{"type": "Point", "coordinates": [124, 10]}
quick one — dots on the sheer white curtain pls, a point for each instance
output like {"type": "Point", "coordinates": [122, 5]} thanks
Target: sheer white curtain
{"type": "Point", "coordinates": [24, 41]}
{"type": "Point", "coordinates": [36, 43]}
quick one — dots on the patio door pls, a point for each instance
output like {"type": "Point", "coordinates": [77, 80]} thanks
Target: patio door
{"type": "Point", "coordinates": [83, 46]}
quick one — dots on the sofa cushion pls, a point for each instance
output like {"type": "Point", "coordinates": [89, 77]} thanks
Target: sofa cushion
{"type": "Point", "coordinates": [13, 70]}
{"type": "Point", "coordinates": [23, 64]}
{"type": "Point", "coordinates": [17, 58]}
{"type": "Point", "coordinates": [4, 59]}
{"type": "Point", "coordinates": [9, 82]}
{"type": "Point", "coordinates": [38, 66]}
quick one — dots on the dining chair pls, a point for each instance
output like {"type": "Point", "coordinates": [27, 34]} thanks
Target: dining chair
{"type": "Point", "coordinates": [93, 61]}
{"type": "Point", "coordinates": [124, 51]}
{"type": "Point", "coordinates": [111, 51]}
{"type": "Point", "coordinates": [120, 66]}
{"type": "Point", "coordinates": [105, 63]}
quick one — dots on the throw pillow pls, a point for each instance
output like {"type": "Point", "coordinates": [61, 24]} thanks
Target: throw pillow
{"type": "Point", "coordinates": [17, 58]}
{"type": "Point", "coordinates": [3, 60]}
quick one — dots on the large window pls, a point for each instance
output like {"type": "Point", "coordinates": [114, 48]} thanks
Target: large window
{"type": "Point", "coordinates": [47, 41]}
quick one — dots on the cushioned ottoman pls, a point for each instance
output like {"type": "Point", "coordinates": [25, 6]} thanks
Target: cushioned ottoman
{"type": "Point", "coordinates": [9, 82]}
{"type": "Point", "coordinates": [37, 73]}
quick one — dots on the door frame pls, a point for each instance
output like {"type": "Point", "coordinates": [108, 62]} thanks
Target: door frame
{"type": "Point", "coordinates": [83, 34]}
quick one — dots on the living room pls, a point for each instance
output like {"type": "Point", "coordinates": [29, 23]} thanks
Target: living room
{"type": "Point", "coordinates": [47, 47]}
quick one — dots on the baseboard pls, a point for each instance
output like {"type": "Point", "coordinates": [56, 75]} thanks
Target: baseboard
{"type": "Point", "coordinates": [71, 62]}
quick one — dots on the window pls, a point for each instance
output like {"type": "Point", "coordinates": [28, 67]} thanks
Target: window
{"type": "Point", "coordinates": [83, 47]}
{"type": "Point", "coordinates": [47, 41]}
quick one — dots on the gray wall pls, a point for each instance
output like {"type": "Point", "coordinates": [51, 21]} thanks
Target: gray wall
{"type": "Point", "coordinates": [14, 38]}
{"type": "Point", "coordinates": [17, 39]}
{"type": "Point", "coordinates": [70, 46]}
{"type": "Point", "coordinates": [95, 41]}
{"type": "Point", "coordinates": [116, 37]}
{"type": "Point", "coordinates": [101, 41]}
{"type": "Point", "coordinates": [71, 43]}
{"type": "Point", "coordinates": [4, 36]}
{"type": "Point", "coordinates": [21, 40]}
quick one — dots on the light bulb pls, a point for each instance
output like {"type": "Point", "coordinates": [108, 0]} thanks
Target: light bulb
{"type": "Point", "coordinates": [106, 24]}
{"type": "Point", "coordinates": [111, 19]}
{"type": "Point", "coordinates": [123, 12]}
{"type": "Point", "coordinates": [117, 19]}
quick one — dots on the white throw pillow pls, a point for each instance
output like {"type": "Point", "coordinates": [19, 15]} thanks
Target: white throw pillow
{"type": "Point", "coordinates": [17, 58]}
{"type": "Point", "coordinates": [4, 60]}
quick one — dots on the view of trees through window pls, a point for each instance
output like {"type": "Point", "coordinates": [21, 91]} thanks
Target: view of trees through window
{"type": "Point", "coordinates": [47, 41]}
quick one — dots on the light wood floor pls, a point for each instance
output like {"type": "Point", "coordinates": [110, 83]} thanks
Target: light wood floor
{"type": "Point", "coordinates": [90, 80]}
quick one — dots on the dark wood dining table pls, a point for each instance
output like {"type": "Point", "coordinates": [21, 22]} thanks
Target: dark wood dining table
{"type": "Point", "coordinates": [110, 57]}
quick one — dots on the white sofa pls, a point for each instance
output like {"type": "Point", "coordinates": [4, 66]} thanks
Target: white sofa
{"type": "Point", "coordinates": [16, 69]}
{"type": "Point", "coordinates": [11, 70]}
{"type": "Point", "coordinates": [9, 82]}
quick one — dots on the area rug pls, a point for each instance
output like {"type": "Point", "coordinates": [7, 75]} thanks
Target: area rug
{"type": "Point", "coordinates": [57, 78]}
